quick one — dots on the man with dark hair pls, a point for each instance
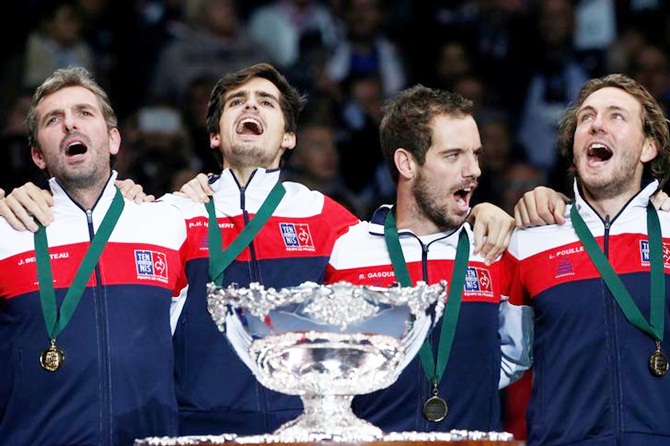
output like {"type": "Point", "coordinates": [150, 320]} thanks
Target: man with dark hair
{"type": "Point", "coordinates": [431, 145]}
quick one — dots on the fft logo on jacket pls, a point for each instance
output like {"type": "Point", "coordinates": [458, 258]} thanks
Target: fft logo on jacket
{"type": "Point", "coordinates": [297, 236]}
{"type": "Point", "coordinates": [151, 264]}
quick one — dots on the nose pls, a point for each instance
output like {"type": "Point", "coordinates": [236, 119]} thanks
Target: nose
{"type": "Point", "coordinates": [597, 125]}
{"type": "Point", "coordinates": [471, 168]}
{"type": "Point", "coordinates": [251, 102]}
{"type": "Point", "coordinates": [69, 121]}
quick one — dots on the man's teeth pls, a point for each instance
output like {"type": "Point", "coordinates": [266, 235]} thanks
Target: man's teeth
{"type": "Point", "coordinates": [599, 150]}
{"type": "Point", "coordinates": [252, 123]}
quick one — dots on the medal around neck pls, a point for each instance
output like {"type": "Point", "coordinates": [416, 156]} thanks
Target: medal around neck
{"type": "Point", "coordinates": [52, 358]}
{"type": "Point", "coordinates": [326, 343]}
{"type": "Point", "coordinates": [658, 362]}
{"type": "Point", "coordinates": [435, 409]}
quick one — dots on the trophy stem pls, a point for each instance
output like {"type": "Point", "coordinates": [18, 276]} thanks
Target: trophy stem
{"type": "Point", "coordinates": [329, 417]}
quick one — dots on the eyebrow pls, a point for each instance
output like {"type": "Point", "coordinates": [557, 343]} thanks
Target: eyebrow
{"type": "Point", "coordinates": [237, 94]}
{"type": "Point", "coordinates": [608, 108]}
{"type": "Point", "coordinates": [247, 93]}
{"type": "Point", "coordinates": [61, 111]}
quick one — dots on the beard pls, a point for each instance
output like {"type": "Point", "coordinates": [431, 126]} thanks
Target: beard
{"type": "Point", "coordinates": [84, 177]}
{"type": "Point", "coordinates": [427, 202]}
{"type": "Point", "coordinates": [606, 189]}
{"type": "Point", "coordinates": [249, 155]}
{"type": "Point", "coordinates": [612, 184]}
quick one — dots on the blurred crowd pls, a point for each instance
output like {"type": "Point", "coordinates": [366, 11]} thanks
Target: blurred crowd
{"type": "Point", "coordinates": [520, 61]}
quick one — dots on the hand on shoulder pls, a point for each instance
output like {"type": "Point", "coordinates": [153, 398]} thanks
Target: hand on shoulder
{"type": "Point", "coordinates": [540, 206]}
{"type": "Point", "coordinates": [26, 204]}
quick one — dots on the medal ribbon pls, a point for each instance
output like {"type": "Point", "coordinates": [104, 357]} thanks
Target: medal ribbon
{"type": "Point", "coordinates": [654, 327]}
{"type": "Point", "coordinates": [220, 259]}
{"type": "Point", "coordinates": [453, 306]}
{"type": "Point", "coordinates": [57, 320]}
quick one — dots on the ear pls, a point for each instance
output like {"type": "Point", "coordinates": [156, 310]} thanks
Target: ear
{"type": "Point", "coordinates": [649, 150]}
{"type": "Point", "coordinates": [405, 163]}
{"type": "Point", "coordinates": [288, 141]}
{"type": "Point", "coordinates": [214, 140]}
{"type": "Point", "coordinates": [114, 141]}
{"type": "Point", "coordinates": [37, 157]}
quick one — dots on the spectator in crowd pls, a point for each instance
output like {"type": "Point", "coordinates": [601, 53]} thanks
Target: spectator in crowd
{"type": "Point", "coordinates": [621, 52]}
{"type": "Point", "coordinates": [195, 119]}
{"type": "Point", "coordinates": [57, 41]}
{"type": "Point", "coordinates": [554, 81]}
{"type": "Point", "coordinates": [366, 51]}
{"type": "Point", "coordinates": [286, 27]}
{"type": "Point", "coordinates": [452, 61]}
{"type": "Point", "coordinates": [499, 152]}
{"type": "Point", "coordinates": [473, 87]}
{"type": "Point", "coordinates": [216, 42]}
{"type": "Point", "coordinates": [316, 162]}
{"type": "Point", "coordinates": [161, 147]}
{"type": "Point", "coordinates": [359, 145]}
{"type": "Point", "coordinates": [498, 35]}
{"type": "Point", "coordinates": [17, 166]}
{"type": "Point", "coordinates": [155, 24]}
{"type": "Point", "coordinates": [650, 67]}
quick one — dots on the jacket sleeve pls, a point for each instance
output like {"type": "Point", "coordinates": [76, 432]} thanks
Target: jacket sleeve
{"type": "Point", "coordinates": [515, 325]}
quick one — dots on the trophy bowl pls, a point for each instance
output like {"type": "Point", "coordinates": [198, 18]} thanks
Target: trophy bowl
{"type": "Point", "coordinates": [326, 344]}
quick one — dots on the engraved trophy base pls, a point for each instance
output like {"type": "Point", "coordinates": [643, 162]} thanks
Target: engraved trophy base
{"type": "Point", "coordinates": [328, 417]}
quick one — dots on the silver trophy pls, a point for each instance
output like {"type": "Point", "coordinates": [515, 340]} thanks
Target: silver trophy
{"type": "Point", "coordinates": [326, 343]}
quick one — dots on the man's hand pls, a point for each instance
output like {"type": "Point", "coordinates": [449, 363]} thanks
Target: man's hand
{"type": "Point", "coordinates": [661, 201]}
{"type": "Point", "coordinates": [197, 189]}
{"type": "Point", "coordinates": [540, 206]}
{"type": "Point", "coordinates": [24, 203]}
{"type": "Point", "coordinates": [2, 192]}
{"type": "Point", "coordinates": [132, 191]}
{"type": "Point", "coordinates": [492, 228]}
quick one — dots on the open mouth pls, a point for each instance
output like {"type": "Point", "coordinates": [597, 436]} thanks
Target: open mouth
{"type": "Point", "coordinates": [462, 196]}
{"type": "Point", "coordinates": [76, 148]}
{"type": "Point", "coordinates": [599, 152]}
{"type": "Point", "coordinates": [249, 126]}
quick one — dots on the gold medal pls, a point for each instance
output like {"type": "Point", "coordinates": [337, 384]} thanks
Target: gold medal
{"type": "Point", "coordinates": [435, 409]}
{"type": "Point", "coordinates": [52, 358]}
{"type": "Point", "coordinates": [658, 361]}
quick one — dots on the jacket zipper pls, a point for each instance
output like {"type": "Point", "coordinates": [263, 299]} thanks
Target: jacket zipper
{"type": "Point", "coordinates": [102, 325]}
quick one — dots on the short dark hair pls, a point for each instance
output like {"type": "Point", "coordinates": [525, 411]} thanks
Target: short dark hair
{"type": "Point", "coordinates": [63, 78]}
{"type": "Point", "coordinates": [407, 117]}
{"type": "Point", "coordinates": [290, 100]}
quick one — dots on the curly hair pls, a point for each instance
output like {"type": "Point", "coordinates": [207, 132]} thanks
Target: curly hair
{"type": "Point", "coordinates": [654, 123]}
